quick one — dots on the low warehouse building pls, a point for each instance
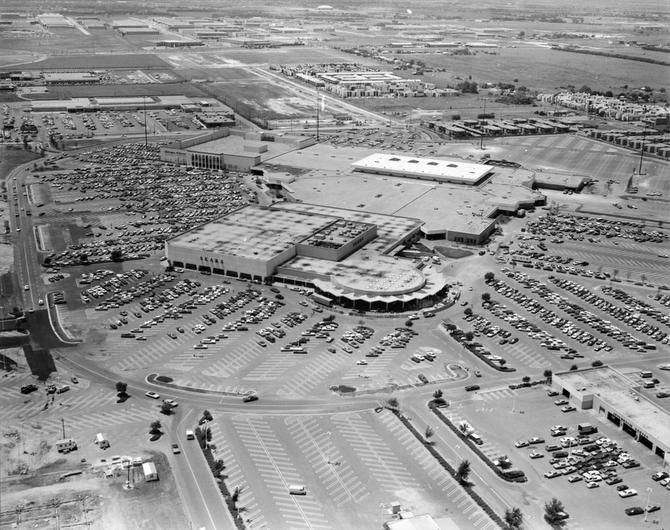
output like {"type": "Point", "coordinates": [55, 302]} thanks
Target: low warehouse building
{"type": "Point", "coordinates": [615, 397]}
{"type": "Point", "coordinates": [150, 472]}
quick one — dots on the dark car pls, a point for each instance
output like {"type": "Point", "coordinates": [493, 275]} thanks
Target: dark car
{"type": "Point", "coordinates": [634, 510]}
{"type": "Point", "coordinates": [27, 389]}
{"type": "Point", "coordinates": [472, 388]}
{"type": "Point", "coordinates": [250, 397]}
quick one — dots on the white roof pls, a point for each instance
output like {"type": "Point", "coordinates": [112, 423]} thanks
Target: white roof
{"type": "Point", "coordinates": [427, 168]}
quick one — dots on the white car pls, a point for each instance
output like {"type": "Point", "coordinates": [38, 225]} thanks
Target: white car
{"type": "Point", "coordinates": [627, 493]}
{"type": "Point", "coordinates": [153, 395]}
{"type": "Point", "coordinates": [170, 402]}
{"type": "Point", "coordinates": [361, 362]}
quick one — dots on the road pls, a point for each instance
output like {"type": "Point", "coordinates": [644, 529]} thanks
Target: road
{"type": "Point", "coordinates": [198, 489]}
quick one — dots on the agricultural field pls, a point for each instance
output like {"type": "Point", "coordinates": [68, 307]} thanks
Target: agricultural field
{"type": "Point", "coordinates": [542, 68]}
{"type": "Point", "coordinates": [101, 62]}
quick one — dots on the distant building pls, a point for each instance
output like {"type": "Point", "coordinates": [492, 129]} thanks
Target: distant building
{"type": "Point", "coordinates": [438, 170]}
{"type": "Point", "coordinates": [66, 445]}
{"type": "Point", "coordinates": [71, 78]}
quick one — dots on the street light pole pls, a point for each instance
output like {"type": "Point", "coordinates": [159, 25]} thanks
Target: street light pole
{"type": "Point", "coordinates": [646, 508]}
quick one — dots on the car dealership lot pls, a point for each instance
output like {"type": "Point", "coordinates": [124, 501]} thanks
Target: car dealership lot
{"type": "Point", "coordinates": [503, 419]}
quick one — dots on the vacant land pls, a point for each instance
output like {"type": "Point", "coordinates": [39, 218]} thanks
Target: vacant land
{"type": "Point", "coordinates": [100, 62]}
{"type": "Point", "coordinates": [254, 98]}
{"type": "Point", "coordinates": [543, 68]}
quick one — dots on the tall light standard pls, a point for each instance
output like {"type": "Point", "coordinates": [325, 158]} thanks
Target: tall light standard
{"type": "Point", "coordinates": [646, 507]}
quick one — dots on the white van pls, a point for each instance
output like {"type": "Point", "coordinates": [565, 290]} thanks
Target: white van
{"type": "Point", "coordinates": [190, 435]}
{"type": "Point", "coordinates": [297, 489]}
{"type": "Point", "coordinates": [103, 443]}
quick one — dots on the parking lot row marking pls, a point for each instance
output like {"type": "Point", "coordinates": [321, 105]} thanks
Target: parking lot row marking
{"type": "Point", "coordinates": [276, 364]}
{"type": "Point", "coordinates": [98, 420]}
{"type": "Point", "coordinates": [317, 446]}
{"type": "Point", "coordinates": [276, 467]}
{"type": "Point", "coordinates": [523, 353]}
{"type": "Point", "coordinates": [234, 477]}
{"type": "Point", "coordinates": [384, 465]}
{"type": "Point", "coordinates": [427, 462]}
{"type": "Point", "coordinates": [315, 372]}
{"type": "Point", "coordinates": [234, 360]}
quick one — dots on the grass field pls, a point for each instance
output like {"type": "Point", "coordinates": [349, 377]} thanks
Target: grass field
{"type": "Point", "coordinates": [61, 41]}
{"type": "Point", "coordinates": [543, 68]}
{"type": "Point", "coordinates": [100, 62]}
{"type": "Point", "coordinates": [468, 106]}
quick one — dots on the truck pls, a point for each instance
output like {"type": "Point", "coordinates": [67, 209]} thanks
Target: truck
{"type": "Point", "coordinates": [586, 428]}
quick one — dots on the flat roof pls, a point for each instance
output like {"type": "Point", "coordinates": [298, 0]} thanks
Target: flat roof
{"type": "Point", "coordinates": [427, 168]}
{"type": "Point", "coordinates": [69, 76]}
{"type": "Point", "coordinates": [253, 233]}
{"type": "Point", "coordinates": [390, 228]}
{"type": "Point", "coordinates": [615, 389]}
{"type": "Point", "coordinates": [322, 174]}
{"type": "Point", "coordinates": [338, 233]}
{"type": "Point", "coordinates": [238, 145]}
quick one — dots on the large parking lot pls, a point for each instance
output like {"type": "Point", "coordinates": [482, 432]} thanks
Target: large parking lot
{"type": "Point", "coordinates": [233, 336]}
{"type": "Point", "coordinates": [353, 466]}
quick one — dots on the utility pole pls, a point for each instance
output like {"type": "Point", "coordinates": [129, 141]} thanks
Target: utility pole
{"type": "Point", "coordinates": [317, 113]}
{"type": "Point", "coordinates": [144, 103]}
{"type": "Point", "coordinates": [644, 137]}
{"type": "Point", "coordinates": [481, 136]}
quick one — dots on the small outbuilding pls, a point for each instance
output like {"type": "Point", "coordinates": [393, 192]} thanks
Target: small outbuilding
{"type": "Point", "coordinates": [150, 472]}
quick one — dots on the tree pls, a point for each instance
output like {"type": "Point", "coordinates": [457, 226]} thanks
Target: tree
{"type": "Point", "coordinates": [468, 311]}
{"type": "Point", "coordinates": [548, 374]}
{"type": "Point", "coordinates": [504, 462]}
{"type": "Point", "coordinates": [392, 403]}
{"type": "Point", "coordinates": [121, 388]}
{"type": "Point", "coordinates": [207, 415]}
{"type": "Point", "coordinates": [489, 277]}
{"type": "Point", "coordinates": [552, 512]}
{"type": "Point", "coordinates": [218, 467]}
{"type": "Point", "coordinates": [525, 379]}
{"type": "Point", "coordinates": [469, 335]}
{"type": "Point", "coordinates": [429, 432]}
{"type": "Point", "coordinates": [155, 427]}
{"type": "Point", "coordinates": [463, 471]}
{"type": "Point", "coordinates": [597, 363]}
{"type": "Point", "coordinates": [464, 428]}
{"type": "Point", "coordinates": [83, 258]}
{"type": "Point", "coordinates": [513, 518]}
{"type": "Point", "coordinates": [450, 327]}
{"type": "Point", "coordinates": [574, 367]}
{"type": "Point", "coordinates": [116, 255]}
{"type": "Point", "coordinates": [486, 297]}
{"type": "Point", "coordinates": [438, 394]}
{"type": "Point", "coordinates": [166, 409]}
